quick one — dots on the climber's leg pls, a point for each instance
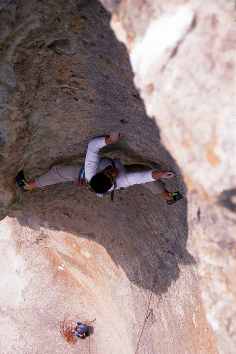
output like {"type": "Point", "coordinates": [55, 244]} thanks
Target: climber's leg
{"type": "Point", "coordinates": [57, 174]}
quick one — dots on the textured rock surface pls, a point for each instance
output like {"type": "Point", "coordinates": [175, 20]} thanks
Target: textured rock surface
{"type": "Point", "coordinates": [183, 57]}
{"type": "Point", "coordinates": [69, 262]}
{"type": "Point", "coordinates": [64, 78]}
{"type": "Point", "coordinates": [189, 78]}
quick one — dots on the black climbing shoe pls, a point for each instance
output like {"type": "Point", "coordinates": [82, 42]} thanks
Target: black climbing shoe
{"type": "Point", "coordinates": [21, 181]}
{"type": "Point", "coordinates": [175, 196]}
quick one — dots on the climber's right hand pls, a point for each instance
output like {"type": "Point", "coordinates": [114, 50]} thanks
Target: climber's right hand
{"type": "Point", "coordinates": [112, 138]}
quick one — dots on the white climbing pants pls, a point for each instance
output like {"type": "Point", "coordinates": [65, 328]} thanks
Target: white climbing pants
{"type": "Point", "coordinates": [58, 174]}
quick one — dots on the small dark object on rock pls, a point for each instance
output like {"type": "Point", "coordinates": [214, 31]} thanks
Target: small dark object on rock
{"type": "Point", "coordinates": [20, 180]}
{"type": "Point", "coordinates": [199, 214]}
{"type": "Point", "coordinates": [175, 197]}
{"type": "Point", "coordinates": [136, 95]}
{"type": "Point", "coordinates": [81, 330]}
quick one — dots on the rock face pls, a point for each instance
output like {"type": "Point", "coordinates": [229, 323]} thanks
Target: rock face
{"type": "Point", "coordinates": [189, 77]}
{"type": "Point", "coordinates": [65, 78]}
{"type": "Point", "coordinates": [183, 57]}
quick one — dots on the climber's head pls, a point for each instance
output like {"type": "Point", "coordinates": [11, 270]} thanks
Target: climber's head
{"type": "Point", "coordinates": [103, 181]}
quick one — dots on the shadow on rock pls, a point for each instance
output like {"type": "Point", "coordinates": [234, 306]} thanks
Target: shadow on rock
{"type": "Point", "coordinates": [144, 236]}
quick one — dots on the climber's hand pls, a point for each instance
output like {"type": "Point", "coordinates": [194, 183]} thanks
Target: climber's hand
{"type": "Point", "coordinates": [112, 138]}
{"type": "Point", "coordinates": [162, 174]}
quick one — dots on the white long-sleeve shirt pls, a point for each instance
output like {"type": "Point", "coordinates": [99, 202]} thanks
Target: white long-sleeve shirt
{"type": "Point", "coordinates": [94, 164]}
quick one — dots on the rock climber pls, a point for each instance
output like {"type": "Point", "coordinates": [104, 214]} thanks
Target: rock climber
{"type": "Point", "coordinates": [103, 175]}
{"type": "Point", "coordinates": [81, 330]}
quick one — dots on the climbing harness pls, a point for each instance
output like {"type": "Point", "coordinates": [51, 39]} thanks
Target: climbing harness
{"type": "Point", "coordinates": [81, 178]}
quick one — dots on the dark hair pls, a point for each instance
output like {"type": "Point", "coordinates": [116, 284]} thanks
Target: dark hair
{"type": "Point", "coordinates": [101, 183]}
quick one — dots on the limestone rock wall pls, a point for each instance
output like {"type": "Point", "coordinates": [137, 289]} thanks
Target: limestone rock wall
{"type": "Point", "coordinates": [183, 57]}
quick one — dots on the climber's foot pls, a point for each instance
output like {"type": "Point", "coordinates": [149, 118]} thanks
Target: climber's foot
{"type": "Point", "coordinates": [22, 183]}
{"type": "Point", "coordinates": [174, 197]}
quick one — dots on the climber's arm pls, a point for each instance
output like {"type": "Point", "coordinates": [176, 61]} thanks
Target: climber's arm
{"type": "Point", "coordinates": [131, 178]}
{"type": "Point", "coordinates": [92, 155]}
{"type": "Point", "coordinates": [127, 179]}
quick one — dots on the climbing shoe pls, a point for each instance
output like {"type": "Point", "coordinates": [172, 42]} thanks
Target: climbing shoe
{"type": "Point", "coordinates": [21, 181]}
{"type": "Point", "coordinates": [175, 196]}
